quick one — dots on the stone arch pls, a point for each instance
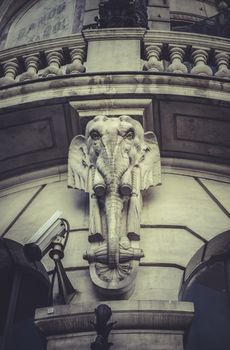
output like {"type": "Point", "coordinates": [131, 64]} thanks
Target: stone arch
{"type": "Point", "coordinates": [206, 283]}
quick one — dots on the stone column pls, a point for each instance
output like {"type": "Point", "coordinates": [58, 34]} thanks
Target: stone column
{"type": "Point", "coordinates": [10, 69]}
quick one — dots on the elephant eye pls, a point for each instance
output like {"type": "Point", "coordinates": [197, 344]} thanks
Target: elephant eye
{"type": "Point", "coordinates": [95, 135]}
{"type": "Point", "coordinates": [130, 134]}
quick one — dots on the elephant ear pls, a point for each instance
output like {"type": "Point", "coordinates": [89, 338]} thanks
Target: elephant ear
{"type": "Point", "coordinates": [78, 164]}
{"type": "Point", "coordinates": [150, 164]}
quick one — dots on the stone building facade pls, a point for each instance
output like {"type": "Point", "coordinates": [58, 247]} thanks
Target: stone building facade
{"type": "Point", "coordinates": [59, 69]}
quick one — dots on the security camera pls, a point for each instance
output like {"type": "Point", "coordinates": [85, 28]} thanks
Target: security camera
{"type": "Point", "coordinates": [41, 242]}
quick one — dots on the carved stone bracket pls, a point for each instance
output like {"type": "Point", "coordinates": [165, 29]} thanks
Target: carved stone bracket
{"type": "Point", "coordinates": [114, 162]}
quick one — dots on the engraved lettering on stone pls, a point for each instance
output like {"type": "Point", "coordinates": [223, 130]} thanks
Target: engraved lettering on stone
{"type": "Point", "coordinates": [44, 20]}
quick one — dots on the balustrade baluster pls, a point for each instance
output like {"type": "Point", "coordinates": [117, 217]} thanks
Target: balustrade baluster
{"type": "Point", "coordinates": [32, 65]}
{"type": "Point", "coordinates": [222, 61]}
{"type": "Point", "coordinates": [54, 58]}
{"type": "Point", "coordinates": [200, 60]}
{"type": "Point", "coordinates": [77, 57]}
{"type": "Point", "coordinates": [10, 69]}
{"type": "Point", "coordinates": [153, 64]}
{"type": "Point", "coordinates": [176, 56]}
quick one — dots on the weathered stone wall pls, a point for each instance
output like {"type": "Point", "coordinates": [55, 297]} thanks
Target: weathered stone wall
{"type": "Point", "coordinates": [178, 217]}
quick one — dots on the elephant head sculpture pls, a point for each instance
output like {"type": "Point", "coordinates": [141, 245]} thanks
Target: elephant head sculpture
{"type": "Point", "coordinates": [114, 161]}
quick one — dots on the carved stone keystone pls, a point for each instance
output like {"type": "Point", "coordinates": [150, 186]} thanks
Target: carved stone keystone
{"type": "Point", "coordinates": [114, 162]}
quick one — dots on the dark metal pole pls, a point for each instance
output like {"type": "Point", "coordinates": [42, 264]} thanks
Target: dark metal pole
{"type": "Point", "coordinates": [66, 290]}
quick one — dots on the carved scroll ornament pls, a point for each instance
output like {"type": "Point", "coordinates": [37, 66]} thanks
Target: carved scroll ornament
{"type": "Point", "coordinates": [114, 162]}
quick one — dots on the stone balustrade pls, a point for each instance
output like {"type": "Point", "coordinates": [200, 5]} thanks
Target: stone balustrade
{"type": "Point", "coordinates": [45, 59]}
{"type": "Point", "coordinates": [186, 53]}
{"type": "Point", "coordinates": [164, 52]}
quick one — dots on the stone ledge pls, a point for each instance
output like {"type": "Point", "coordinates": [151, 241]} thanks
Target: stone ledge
{"type": "Point", "coordinates": [75, 40]}
{"type": "Point", "coordinates": [145, 315]}
{"type": "Point", "coordinates": [110, 84]}
{"type": "Point", "coordinates": [182, 38]}
{"type": "Point", "coordinates": [113, 34]}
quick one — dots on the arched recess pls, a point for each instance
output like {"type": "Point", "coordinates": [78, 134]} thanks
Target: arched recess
{"type": "Point", "coordinates": [38, 20]}
{"type": "Point", "coordinates": [206, 283]}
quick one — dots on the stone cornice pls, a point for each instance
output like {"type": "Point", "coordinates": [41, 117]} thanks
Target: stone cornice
{"type": "Point", "coordinates": [142, 84]}
{"type": "Point", "coordinates": [140, 314]}
{"type": "Point", "coordinates": [181, 38]}
{"type": "Point", "coordinates": [113, 34]}
{"type": "Point", "coordinates": [177, 15]}
{"type": "Point", "coordinates": [75, 40]}
{"type": "Point", "coordinates": [149, 36]}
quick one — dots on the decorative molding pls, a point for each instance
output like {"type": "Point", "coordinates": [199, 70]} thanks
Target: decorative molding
{"type": "Point", "coordinates": [92, 85]}
{"type": "Point", "coordinates": [189, 167]}
{"type": "Point", "coordinates": [218, 124]}
{"type": "Point", "coordinates": [181, 38]}
{"type": "Point", "coordinates": [141, 314]}
{"type": "Point", "coordinates": [114, 162]}
{"type": "Point", "coordinates": [139, 109]}
{"type": "Point", "coordinates": [40, 123]}
{"type": "Point", "coordinates": [76, 40]}
{"type": "Point", "coordinates": [181, 16]}
{"type": "Point", "coordinates": [113, 34]}
{"type": "Point", "coordinates": [32, 179]}
{"type": "Point", "coordinates": [191, 136]}
{"type": "Point", "coordinates": [58, 52]}
{"type": "Point", "coordinates": [46, 146]}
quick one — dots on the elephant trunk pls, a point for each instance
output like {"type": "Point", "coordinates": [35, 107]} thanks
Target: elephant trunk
{"type": "Point", "coordinates": [112, 165]}
{"type": "Point", "coordinates": [113, 207]}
